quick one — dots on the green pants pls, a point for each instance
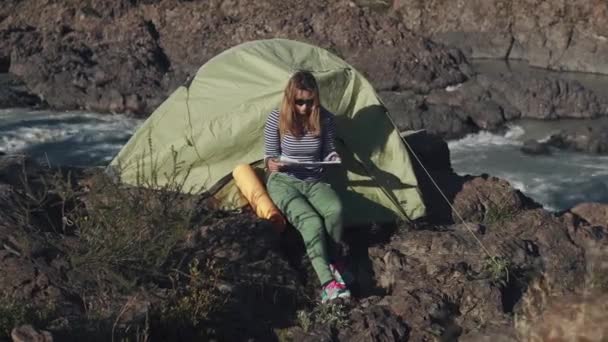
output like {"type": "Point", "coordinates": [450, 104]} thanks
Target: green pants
{"type": "Point", "coordinates": [315, 210]}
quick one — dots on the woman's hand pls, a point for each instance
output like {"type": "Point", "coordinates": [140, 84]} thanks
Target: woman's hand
{"type": "Point", "coordinates": [274, 165]}
{"type": "Point", "coordinates": [334, 156]}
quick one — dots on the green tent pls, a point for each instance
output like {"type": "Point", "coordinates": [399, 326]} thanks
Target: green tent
{"type": "Point", "coordinates": [216, 122]}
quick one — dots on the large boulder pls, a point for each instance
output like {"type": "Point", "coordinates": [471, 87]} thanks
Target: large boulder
{"type": "Point", "coordinates": [411, 112]}
{"type": "Point", "coordinates": [534, 147]}
{"type": "Point", "coordinates": [27, 333]}
{"type": "Point", "coordinates": [544, 97]}
{"type": "Point", "coordinates": [14, 93]}
{"type": "Point", "coordinates": [594, 213]}
{"type": "Point", "coordinates": [571, 317]}
{"type": "Point", "coordinates": [592, 140]}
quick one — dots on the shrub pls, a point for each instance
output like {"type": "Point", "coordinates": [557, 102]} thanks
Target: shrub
{"type": "Point", "coordinates": [14, 312]}
{"type": "Point", "coordinates": [497, 270]}
{"type": "Point", "coordinates": [333, 314]}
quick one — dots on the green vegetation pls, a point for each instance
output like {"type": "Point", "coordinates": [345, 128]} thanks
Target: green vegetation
{"type": "Point", "coordinates": [14, 312]}
{"type": "Point", "coordinates": [333, 314]}
{"type": "Point", "coordinates": [119, 241]}
{"type": "Point", "coordinates": [194, 302]}
{"type": "Point", "coordinates": [497, 270]}
{"type": "Point", "coordinates": [498, 212]}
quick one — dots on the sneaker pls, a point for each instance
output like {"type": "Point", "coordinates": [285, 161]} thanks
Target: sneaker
{"type": "Point", "coordinates": [334, 290]}
{"type": "Point", "coordinates": [342, 276]}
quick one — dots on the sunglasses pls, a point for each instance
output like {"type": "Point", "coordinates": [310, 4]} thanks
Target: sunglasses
{"type": "Point", "coordinates": [301, 102]}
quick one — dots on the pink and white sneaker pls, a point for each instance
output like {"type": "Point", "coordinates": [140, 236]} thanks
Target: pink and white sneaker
{"type": "Point", "coordinates": [334, 290]}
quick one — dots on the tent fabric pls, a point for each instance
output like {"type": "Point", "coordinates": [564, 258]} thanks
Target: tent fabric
{"type": "Point", "coordinates": [205, 129]}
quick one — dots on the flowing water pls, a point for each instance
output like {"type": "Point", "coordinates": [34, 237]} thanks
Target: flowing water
{"type": "Point", "coordinates": [65, 138]}
{"type": "Point", "coordinates": [558, 181]}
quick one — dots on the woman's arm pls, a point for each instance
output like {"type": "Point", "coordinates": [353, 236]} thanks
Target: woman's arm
{"type": "Point", "coordinates": [272, 139]}
{"type": "Point", "coordinates": [328, 151]}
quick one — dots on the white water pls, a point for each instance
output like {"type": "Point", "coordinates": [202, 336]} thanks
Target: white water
{"type": "Point", "coordinates": [558, 181]}
{"type": "Point", "coordinates": [72, 138]}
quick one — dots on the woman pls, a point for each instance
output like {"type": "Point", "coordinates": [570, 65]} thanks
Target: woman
{"type": "Point", "coordinates": [304, 131]}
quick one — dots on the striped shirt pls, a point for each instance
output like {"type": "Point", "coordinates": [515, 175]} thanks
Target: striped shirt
{"type": "Point", "coordinates": [307, 148]}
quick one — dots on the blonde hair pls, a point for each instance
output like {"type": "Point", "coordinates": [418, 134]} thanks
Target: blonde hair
{"type": "Point", "coordinates": [288, 123]}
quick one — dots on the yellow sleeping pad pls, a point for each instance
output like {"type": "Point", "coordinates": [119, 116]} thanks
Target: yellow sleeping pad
{"type": "Point", "coordinates": [255, 192]}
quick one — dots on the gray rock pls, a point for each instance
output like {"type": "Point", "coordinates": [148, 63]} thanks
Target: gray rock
{"type": "Point", "coordinates": [543, 97]}
{"type": "Point", "coordinates": [593, 140]}
{"type": "Point", "coordinates": [27, 333]}
{"type": "Point", "coordinates": [535, 148]}
{"type": "Point", "coordinates": [14, 93]}
{"type": "Point", "coordinates": [594, 213]}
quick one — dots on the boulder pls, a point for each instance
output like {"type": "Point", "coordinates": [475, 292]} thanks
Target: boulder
{"type": "Point", "coordinates": [27, 333]}
{"type": "Point", "coordinates": [593, 140]}
{"type": "Point", "coordinates": [534, 147]}
{"type": "Point", "coordinates": [594, 213]}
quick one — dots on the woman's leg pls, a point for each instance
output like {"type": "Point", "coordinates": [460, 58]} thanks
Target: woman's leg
{"type": "Point", "coordinates": [327, 203]}
{"type": "Point", "coordinates": [286, 193]}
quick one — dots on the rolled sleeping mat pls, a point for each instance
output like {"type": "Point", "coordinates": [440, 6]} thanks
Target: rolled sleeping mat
{"type": "Point", "coordinates": [255, 192]}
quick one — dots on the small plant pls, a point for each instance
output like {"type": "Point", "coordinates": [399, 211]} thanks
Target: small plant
{"type": "Point", "coordinates": [497, 270]}
{"type": "Point", "coordinates": [495, 214]}
{"type": "Point", "coordinates": [14, 312]}
{"type": "Point", "coordinates": [333, 314]}
{"type": "Point", "coordinates": [283, 335]}
{"type": "Point", "coordinates": [304, 320]}
{"type": "Point", "coordinates": [198, 299]}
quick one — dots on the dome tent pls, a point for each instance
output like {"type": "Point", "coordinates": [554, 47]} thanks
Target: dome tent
{"type": "Point", "coordinates": [216, 122]}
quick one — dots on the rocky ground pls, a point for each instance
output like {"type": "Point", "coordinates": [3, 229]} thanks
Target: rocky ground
{"type": "Point", "coordinates": [77, 265]}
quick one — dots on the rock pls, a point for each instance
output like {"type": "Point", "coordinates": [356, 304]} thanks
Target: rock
{"type": "Point", "coordinates": [14, 93]}
{"type": "Point", "coordinates": [503, 333]}
{"type": "Point", "coordinates": [594, 213]}
{"type": "Point", "coordinates": [27, 333]}
{"type": "Point", "coordinates": [486, 198]}
{"type": "Point", "coordinates": [568, 36]}
{"type": "Point", "coordinates": [320, 334]}
{"type": "Point", "coordinates": [487, 101]}
{"type": "Point", "coordinates": [593, 140]}
{"type": "Point", "coordinates": [587, 235]}
{"type": "Point", "coordinates": [434, 188]}
{"type": "Point", "coordinates": [103, 53]}
{"type": "Point", "coordinates": [534, 147]}
{"type": "Point", "coordinates": [432, 276]}
{"type": "Point", "coordinates": [376, 323]}
{"type": "Point", "coordinates": [543, 97]}
{"type": "Point", "coordinates": [547, 316]}
{"type": "Point", "coordinates": [430, 150]}
{"type": "Point", "coordinates": [411, 112]}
